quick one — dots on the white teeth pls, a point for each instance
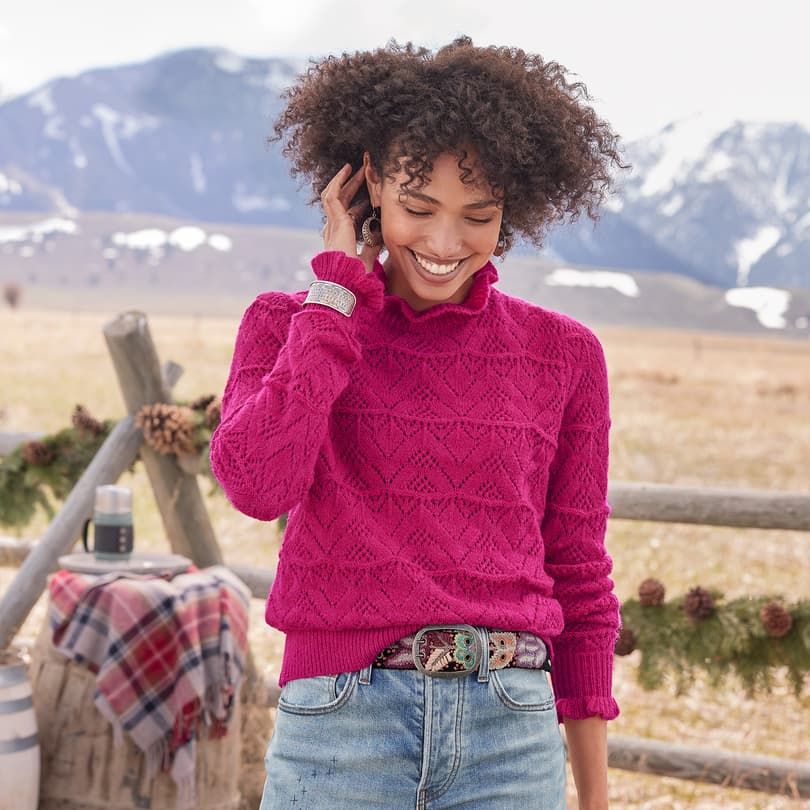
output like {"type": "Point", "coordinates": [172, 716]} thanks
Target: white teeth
{"type": "Point", "coordinates": [436, 269]}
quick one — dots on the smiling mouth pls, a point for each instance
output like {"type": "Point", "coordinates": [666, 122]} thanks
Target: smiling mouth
{"type": "Point", "coordinates": [434, 268]}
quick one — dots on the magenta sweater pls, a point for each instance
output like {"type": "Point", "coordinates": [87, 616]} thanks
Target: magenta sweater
{"type": "Point", "coordinates": [441, 466]}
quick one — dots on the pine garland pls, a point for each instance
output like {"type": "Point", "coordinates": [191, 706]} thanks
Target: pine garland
{"type": "Point", "coordinates": [40, 471]}
{"type": "Point", "coordinates": [750, 637]}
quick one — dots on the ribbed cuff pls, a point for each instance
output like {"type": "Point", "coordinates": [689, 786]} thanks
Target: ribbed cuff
{"type": "Point", "coordinates": [336, 266]}
{"type": "Point", "coordinates": [583, 684]}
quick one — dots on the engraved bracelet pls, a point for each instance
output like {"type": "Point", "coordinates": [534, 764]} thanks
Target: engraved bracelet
{"type": "Point", "coordinates": [331, 295]}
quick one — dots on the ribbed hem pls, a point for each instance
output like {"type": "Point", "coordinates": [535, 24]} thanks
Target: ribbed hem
{"type": "Point", "coordinates": [337, 267]}
{"type": "Point", "coordinates": [583, 684]}
{"type": "Point", "coordinates": [308, 653]}
{"type": "Point", "coordinates": [583, 708]}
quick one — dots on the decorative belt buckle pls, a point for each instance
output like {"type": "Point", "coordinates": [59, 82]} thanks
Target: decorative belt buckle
{"type": "Point", "coordinates": [460, 649]}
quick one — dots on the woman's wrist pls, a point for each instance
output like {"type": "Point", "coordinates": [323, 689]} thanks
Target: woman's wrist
{"type": "Point", "coordinates": [350, 274]}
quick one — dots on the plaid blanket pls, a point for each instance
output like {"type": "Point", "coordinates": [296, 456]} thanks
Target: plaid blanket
{"type": "Point", "coordinates": [168, 656]}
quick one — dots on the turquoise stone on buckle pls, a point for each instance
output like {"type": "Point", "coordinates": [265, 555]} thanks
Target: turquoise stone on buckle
{"type": "Point", "coordinates": [331, 295]}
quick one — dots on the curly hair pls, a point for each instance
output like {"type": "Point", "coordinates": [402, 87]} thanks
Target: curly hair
{"type": "Point", "coordinates": [545, 154]}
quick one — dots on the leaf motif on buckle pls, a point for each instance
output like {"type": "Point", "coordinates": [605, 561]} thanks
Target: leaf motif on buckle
{"type": "Point", "coordinates": [438, 659]}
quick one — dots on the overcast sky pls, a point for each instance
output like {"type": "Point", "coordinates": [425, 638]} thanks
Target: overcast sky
{"type": "Point", "coordinates": [645, 63]}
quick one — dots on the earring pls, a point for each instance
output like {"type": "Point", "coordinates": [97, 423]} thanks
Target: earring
{"type": "Point", "coordinates": [504, 243]}
{"type": "Point", "coordinates": [372, 233]}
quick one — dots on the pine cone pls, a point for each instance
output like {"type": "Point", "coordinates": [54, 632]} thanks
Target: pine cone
{"type": "Point", "coordinates": [775, 619]}
{"type": "Point", "coordinates": [166, 428]}
{"type": "Point", "coordinates": [651, 592]}
{"type": "Point", "coordinates": [82, 420]}
{"type": "Point", "coordinates": [201, 403]}
{"type": "Point", "coordinates": [213, 414]}
{"type": "Point", "coordinates": [37, 453]}
{"type": "Point", "coordinates": [698, 604]}
{"type": "Point", "coordinates": [626, 641]}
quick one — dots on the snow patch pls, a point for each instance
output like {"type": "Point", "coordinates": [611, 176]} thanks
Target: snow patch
{"type": "Point", "coordinates": [679, 146]}
{"type": "Point", "coordinates": [146, 239]}
{"type": "Point", "coordinates": [108, 119]}
{"type": "Point", "coordinates": [53, 128]}
{"type": "Point", "coordinates": [42, 100]}
{"type": "Point", "coordinates": [782, 198]}
{"type": "Point", "coordinates": [749, 251]}
{"type": "Point", "coordinates": [717, 164]}
{"type": "Point", "coordinates": [198, 180]}
{"type": "Point", "coordinates": [8, 186]}
{"type": "Point", "coordinates": [768, 303]}
{"type": "Point", "coordinates": [278, 77]}
{"type": "Point", "coordinates": [802, 225]}
{"type": "Point", "coordinates": [672, 205]}
{"type": "Point", "coordinates": [79, 158]}
{"type": "Point", "coordinates": [220, 242]}
{"type": "Point", "coordinates": [568, 277]}
{"type": "Point", "coordinates": [187, 238]}
{"type": "Point", "coordinates": [229, 62]}
{"type": "Point", "coordinates": [38, 230]}
{"type": "Point", "coordinates": [115, 124]}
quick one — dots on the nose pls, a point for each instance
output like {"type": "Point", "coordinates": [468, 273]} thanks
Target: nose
{"type": "Point", "coordinates": [444, 241]}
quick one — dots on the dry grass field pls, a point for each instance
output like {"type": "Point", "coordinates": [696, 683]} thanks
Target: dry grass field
{"type": "Point", "coordinates": [698, 409]}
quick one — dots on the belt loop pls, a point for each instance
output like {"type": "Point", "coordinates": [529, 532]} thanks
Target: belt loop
{"type": "Point", "coordinates": [483, 664]}
{"type": "Point", "coordinates": [365, 675]}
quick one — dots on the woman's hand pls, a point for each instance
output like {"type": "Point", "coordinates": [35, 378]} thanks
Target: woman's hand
{"type": "Point", "coordinates": [339, 232]}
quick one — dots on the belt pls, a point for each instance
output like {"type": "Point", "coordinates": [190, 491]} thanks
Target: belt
{"type": "Point", "coordinates": [452, 651]}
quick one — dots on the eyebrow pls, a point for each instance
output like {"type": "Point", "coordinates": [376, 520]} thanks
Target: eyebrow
{"type": "Point", "coordinates": [425, 198]}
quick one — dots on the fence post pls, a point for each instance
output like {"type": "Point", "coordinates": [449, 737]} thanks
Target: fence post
{"type": "Point", "coordinates": [185, 517]}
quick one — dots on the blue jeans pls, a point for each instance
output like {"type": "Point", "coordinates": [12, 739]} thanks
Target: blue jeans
{"type": "Point", "coordinates": [397, 739]}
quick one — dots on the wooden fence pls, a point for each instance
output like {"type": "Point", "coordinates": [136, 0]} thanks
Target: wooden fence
{"type": "Point", "coordinates": [189, 532]}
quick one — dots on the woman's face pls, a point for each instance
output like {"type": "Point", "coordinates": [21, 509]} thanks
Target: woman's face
{"type": "Point", "coordinates": [437, 235]}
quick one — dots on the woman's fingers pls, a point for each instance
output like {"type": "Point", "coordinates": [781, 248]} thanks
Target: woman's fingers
{"type": "Point", "coordinates": [339, 232]}
{"type": "Point", "coordinates": [342, 217]}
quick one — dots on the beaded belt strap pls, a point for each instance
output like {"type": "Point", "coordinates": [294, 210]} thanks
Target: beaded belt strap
{"type": "Point", "coordinates": [451, 651]}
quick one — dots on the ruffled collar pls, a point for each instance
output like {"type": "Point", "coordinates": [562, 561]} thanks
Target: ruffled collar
{"type": "Point", "coordinates": [473, 304]}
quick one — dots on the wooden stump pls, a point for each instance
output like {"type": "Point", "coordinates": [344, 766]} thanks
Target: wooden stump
{"type": "Point", "coordinates": [82, 768]}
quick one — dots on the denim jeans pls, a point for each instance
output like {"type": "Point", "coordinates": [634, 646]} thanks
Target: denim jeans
{"type": "Point", "coordinates": [397, 739]}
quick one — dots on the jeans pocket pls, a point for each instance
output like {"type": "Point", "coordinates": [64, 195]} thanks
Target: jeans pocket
{"type": "Point", "coordinates": [523, 690]}
{"type": "Point", "coordinates": [320, 694]}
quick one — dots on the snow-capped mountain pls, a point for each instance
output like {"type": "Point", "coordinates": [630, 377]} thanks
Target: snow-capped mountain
{"type": "Point", "coordinates": [184, 135]}
{"type": "Point", "coordinates": [737, 203]}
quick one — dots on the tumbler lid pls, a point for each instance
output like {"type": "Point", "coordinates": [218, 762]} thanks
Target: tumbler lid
{"type": "Point", "coordinates": [113, 500]}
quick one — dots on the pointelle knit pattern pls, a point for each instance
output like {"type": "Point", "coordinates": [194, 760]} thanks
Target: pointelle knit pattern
{"type": "Point", "coordinates": [441, 466]}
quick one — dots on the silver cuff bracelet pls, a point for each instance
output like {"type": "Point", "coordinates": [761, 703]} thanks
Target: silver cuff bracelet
{"type": "Point", "coordinates": [331, 295]}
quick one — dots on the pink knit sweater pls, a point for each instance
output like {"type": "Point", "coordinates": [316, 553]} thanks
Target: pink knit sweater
{"type": "Point", "coordinates": [441, 466]}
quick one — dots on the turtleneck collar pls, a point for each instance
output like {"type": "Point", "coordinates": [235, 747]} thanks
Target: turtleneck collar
{"type": "Point", "coordinates": [473, 304]}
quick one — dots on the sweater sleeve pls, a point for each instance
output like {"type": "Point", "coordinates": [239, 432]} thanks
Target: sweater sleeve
{"type": "Point", "coordinates": [573, 529]}
{"type": "Point", "coordinates": [287, 371]}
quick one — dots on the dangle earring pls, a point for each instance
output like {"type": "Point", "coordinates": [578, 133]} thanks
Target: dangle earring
{"type": "Point", "coordinates": [372, 228]}
{"type": "Point", "coordinates": [504, 243]}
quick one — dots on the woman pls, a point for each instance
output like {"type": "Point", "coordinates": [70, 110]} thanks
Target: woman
{"type": "Point", "coordinates": [441, 447]}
